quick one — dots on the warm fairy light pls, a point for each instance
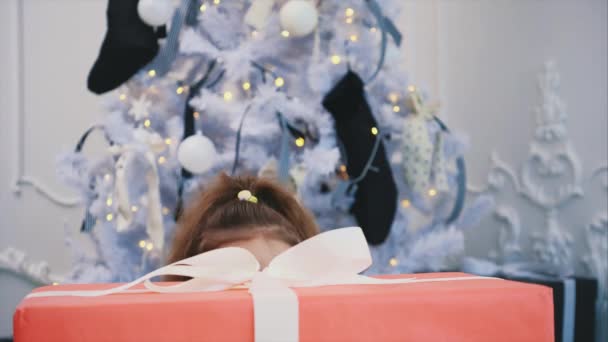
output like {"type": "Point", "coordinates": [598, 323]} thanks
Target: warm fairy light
{"type": "Point", "coordinates": [109, 217]}
{"type": "Point", "coordinates": [179, 90]}
{"type": "Point", "coordinates": [349, 12]}
{"type": "Point", "coordinates": [227, 96]}
{"type": "Point", "coordinates": [109, 201]}
{"type": "Point", "coordinates": [349, 20]}
{"type": "Point", "coordinates": [432, 192]}
{"type": "Point", "coordinates": [393, 262]}
{"type": "Point", "coordinates": [300, 142]}
{"type": "Point", "coordinates": [393, 97]}
{"type": "Point", "coordinates": [134, 208]}
{"type": "Point", "coordinates": [285, 33]}
{"type": "Point", "coordinates": [216, 2]}
{"type": "Point", "coordinates": [149, 246]}
{"type": "Point", "coordinates": [246, 85]}
{"type": "Point", "coordinates": [107, 177]}
{"type": "Point", "coordinates": [411, 89]}
{"type": "Point", "coordinates": [254, 33]}
{"type": "Point", "coordinates": [342, 168]}
{"type": "Point", "coordinates": [406, 203]}
{"type": "Point", "coordinates": [196, 115]}
{"type": "Point", "coordinates": [203, 7]}
{"type": "Point", "coordinates": [122, 97]}
{"type": "Point", "coordinates": [354, 38]}
{"type": "Point", "coordinates": [165, 211]}
{"type": "Point", "coordinates": [142, 244]}
{"type": "Point", "coordinates": [279, 82]}
{"type": "Point", "coordinates": [335, 59]}
{"type": "Point", "coordinates": [168, 141]}
{"type": "Point", "coordinates": [162, 160]}
{"type": "Point", "coordinates": [396, 109]}
{"type": "Point", "coordinates": [152, 73]}
{"type": "Point", "coordinates": [55, 283]}
{"type": "Point", "coordinates": [147, 123]}
{"type": "Point", "coordinates": [373, 29]}
{"type": "Point", "coordinates": [374, 130]}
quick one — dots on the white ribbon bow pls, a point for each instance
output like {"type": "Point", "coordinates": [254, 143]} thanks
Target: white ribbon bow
{"type": "Point", "coordinates": [334, 257]}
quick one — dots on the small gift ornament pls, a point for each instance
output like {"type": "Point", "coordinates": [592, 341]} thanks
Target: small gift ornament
{"type": "Point", "coordinates": [423, 157]}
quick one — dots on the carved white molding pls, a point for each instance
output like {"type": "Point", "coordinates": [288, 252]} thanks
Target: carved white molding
{"type": "Point", "coordinates": [552, 158]}
{"type": "Point", "coordinates": [21, 179]}
{"type": "Point", "coordinates": [16, 261]}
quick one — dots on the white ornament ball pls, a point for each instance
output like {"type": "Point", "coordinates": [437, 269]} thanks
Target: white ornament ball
{"type": "Point", "coordinates": [196, 153]}
{"type": "Point", "coordinates": [155, 12]}
{"type": "Point", "coordinates": [299, 17]}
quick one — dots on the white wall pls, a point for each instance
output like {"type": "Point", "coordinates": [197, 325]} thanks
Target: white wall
{"type": "Point", "coordinates": [479, 58]}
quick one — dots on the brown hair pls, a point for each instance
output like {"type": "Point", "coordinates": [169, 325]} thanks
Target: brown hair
{"type": "Point", "coordinates": [217, 216]}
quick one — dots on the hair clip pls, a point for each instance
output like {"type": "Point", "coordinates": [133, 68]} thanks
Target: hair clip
{"type": "Point", "coordinates": [245, 195]}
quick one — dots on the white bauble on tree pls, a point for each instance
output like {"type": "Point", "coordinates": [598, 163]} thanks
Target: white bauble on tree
{"type": "Point", "coordinates": [155, 12]}
{"type": "Point", "coordinates": [196, 153]}
{"type": "Point", "coordinates": [299, 17]}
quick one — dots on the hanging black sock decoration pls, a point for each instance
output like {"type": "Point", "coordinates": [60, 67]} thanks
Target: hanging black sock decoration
{"type": "Point", "coordinates": [129, 45]}
{"type": "Point", "coordinates": [375, 191]}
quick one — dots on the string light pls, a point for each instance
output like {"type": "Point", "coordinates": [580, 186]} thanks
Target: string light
{"type": "Point", "coordinates": [393, 262]}
{"type": "Point", "coordinates": [285, 33]}
{"type": "Point", "coordinates": [227, 96]}
{"type": "Point", "coordinates": [393, 97]}
{"type": "Point", "coordinates": [149, 246]}
{"type": "Point", "coordinates": [373, 29]}
{"type": "Point", "coordinates": [179, 90]}
{"type": "Point", "coordinates": [165, 211]}
{"type": "Point", "coordinates": [196, 115]}
{"type": "Point", "coordinates": [374, 130]}
{"type": "Point", "coordinates": [162, 160]}
{"type": "Point", "coordinates": [122, 97]}
{"type": "Point", "coordinates": [254, 33]}
{"type": "Point", "coordinates": [406, 203]}
{"type": "Point", "coordinates": [349, 20]}
{"type": "Point", "coordinates": [432, 192]}
{"type": "Point", "coordinates": [335, 59]}
{"type": "Point", "coordinates": [349, 12]}
{"type": "Point", "coordinates": [342, 168]}
{"type": "Point", "coordinates": [279, 82]}
{"type": "Point", "coordinates": [411, 89]}
{"type": "Point", "coordinates": [147, 123]}
{"type": "Point", "coordinates": [142, 244]}
{"type": "Point", "coordinates": [396, 109]}
{"type": "Point", "coordinates": [55, 283]}
{"type": "Point", "coordinates": [109, 201]}
{"type": "Point", "coordinates": [168, 141]}
{"type": "Point", "coordinates": [107, 177]}
{"type": "Point", "coordinates": [152, 73]}
{"type": "Point", "coordinates": [203, 7]}
{"type": "Point", "coordinates": [354, 38]}
{"type": "Point", "coordinates": [216, 2]}
{"type": "Point", "coordinates": [134, 208]}
{"type": "Point", "coordinates": [300, 142]}
{"type": "Point", "coordinates": [246, 85]}
{"type": "Point", "coordinates": [109, 217]}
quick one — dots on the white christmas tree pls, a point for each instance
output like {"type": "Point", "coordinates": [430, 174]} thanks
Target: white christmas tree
{"type": "Point", "coordinates": [239, 86]}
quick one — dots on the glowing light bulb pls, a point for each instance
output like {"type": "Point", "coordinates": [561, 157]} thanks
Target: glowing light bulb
{"type": "Point", "coordinates": [109, 217]}
{"type": "Point", "coordinates": [55, 283]}
{"type": "Point", "coordinates": [142, 244]}
{"type": "Point", "coordinates": [246, 85]}
{"type": "Point", "coordinates": [349, 12]}
{"type": "Point", "coordinates": [203, 7]}
{"type": "Point", "coordinates": [162, 160]}
{"type": "Point", "coordinates": [354, 38]}
{"type": "Point", "coordinates": [134, 208]}
{"type": "Point", "coordinates": [152, 73]}
{"type": "Point", "coordinates": [396, 109]}
{"type": "Point", "coordinates": [349, 20]}
{"type": "Point", "coordinates": [393, 262]}
{"type": "Point", "coordinates": [335, 59]}
{"type": "Point", "coordinates": [406, 203]}
{"type": "Point", "coordinates": [122, 97]}
{"type": "Point", "coordinates": [147, 123]}
{"type": "Point", "coordinates": [373, 29]}
{"type": "Point", "coordinates": [196, 115]}
{"type": "Point", "coordinates": [279, 82]}
{"type": "Point", "coordinates": [227, 96]}
{"type": "Point", "coordinates": [342, 168]}
{"type": "Point", "coordinates": [393, 97]}
{"type": "Point", "coordinates": [285, 33]}
{"type": "Point", "coordinates": [374, 130]}
{"type": "Point", "coordinates": [109, 201]}
{"type": "Point", "coordinates": [411, 89]}
{"type": "Point", "coordinates": [179, 90]}
{"type": "Point", "coordinates": [149, 246]}
{"type": "Point", "coordinates": [300, 142]}
{"type": "Point", "coordinates": [165, 211]}
{"type": "Point", "coordinates": [216, 2]}
{"type": "Point", "coordinates": [168, 141]}
{"type": "Point", "coordinates": [432, 192]}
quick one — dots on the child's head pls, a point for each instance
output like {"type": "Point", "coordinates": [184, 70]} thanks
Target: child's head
{"type": "Point", "coordinates": [267, 223]}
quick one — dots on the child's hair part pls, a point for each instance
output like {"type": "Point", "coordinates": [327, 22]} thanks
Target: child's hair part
{"type": "Point", "coordinates": [218, 216]}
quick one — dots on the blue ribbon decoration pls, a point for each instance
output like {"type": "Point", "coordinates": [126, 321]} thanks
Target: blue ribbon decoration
{"type": "Point", "coordinates": [387, 27]}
